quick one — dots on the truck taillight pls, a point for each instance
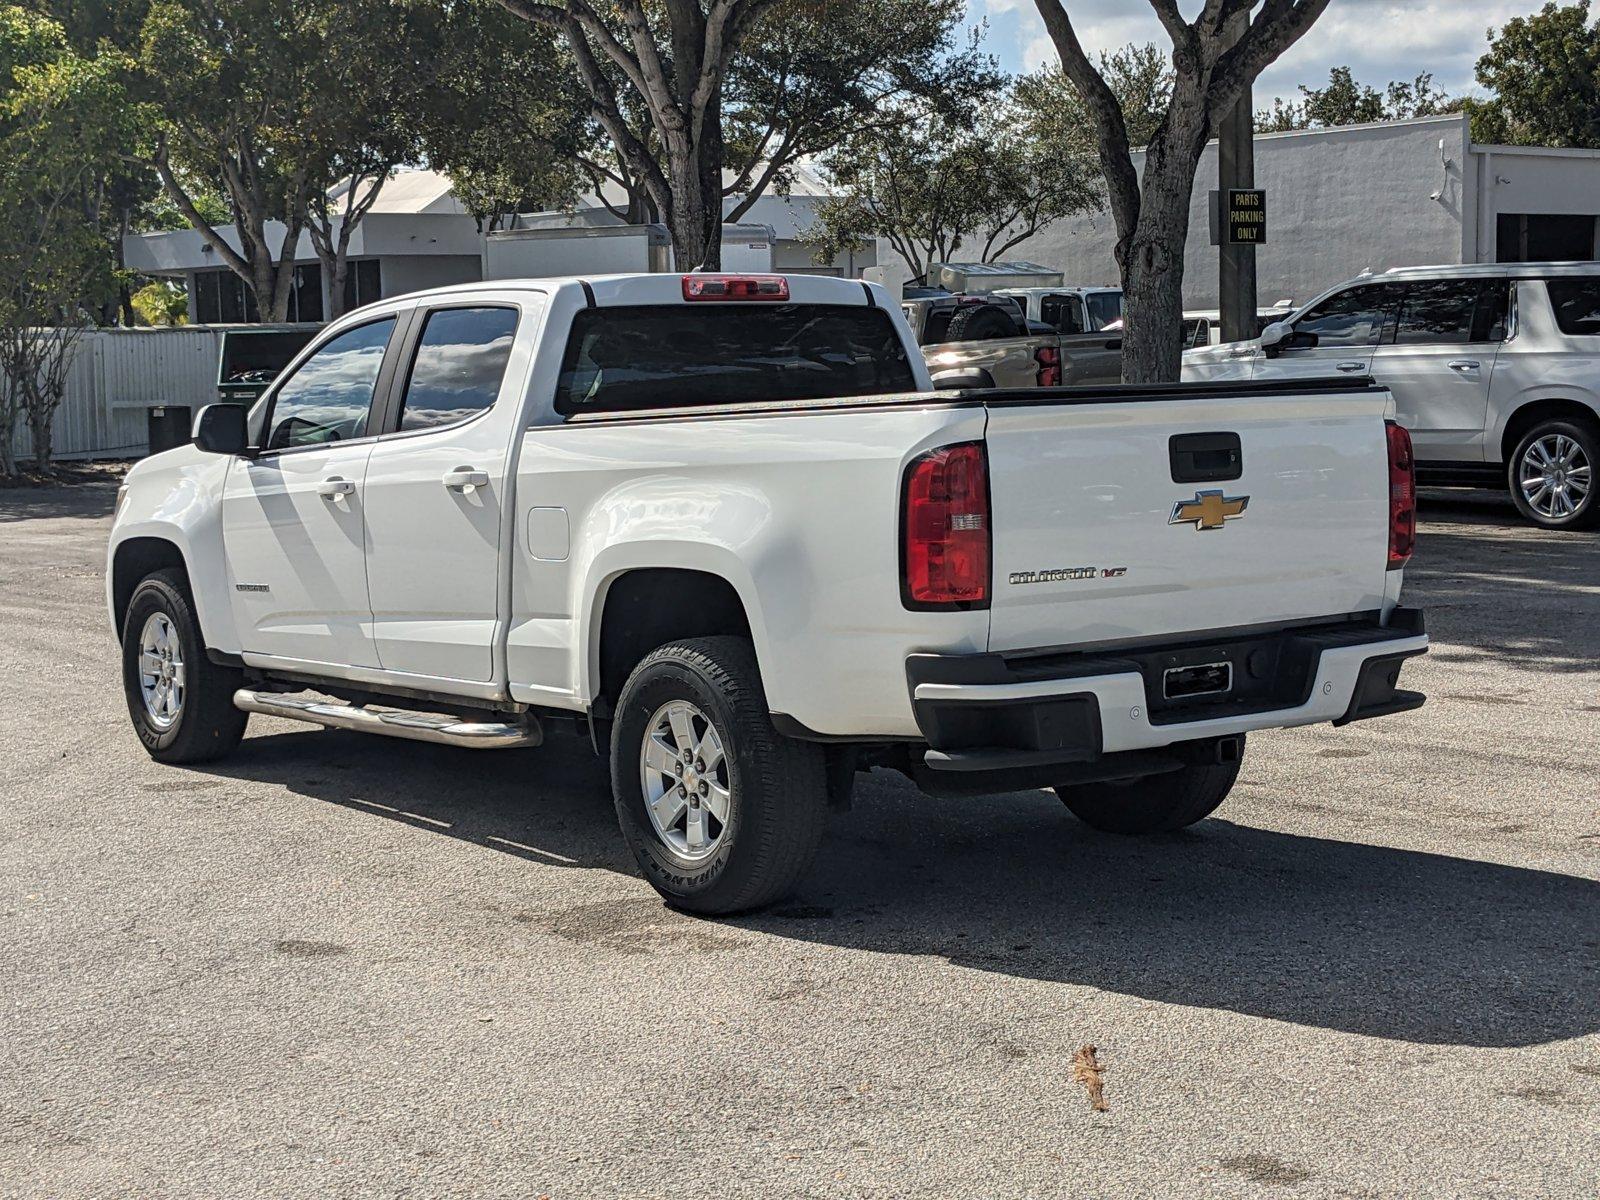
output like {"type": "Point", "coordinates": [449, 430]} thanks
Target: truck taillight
{"type": "Point", "coordinates": [1402, 497]}
{"type": "Point", "coordinates": [1049, 360]}
{"type": "Point", "coordinates": [735, 287]}
{"type": "Point", "coordinates": [945, 524]}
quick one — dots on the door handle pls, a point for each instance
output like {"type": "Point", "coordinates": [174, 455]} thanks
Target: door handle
{"type": "Point", "coordinates": [334, 487]}
{"type": "Point", "coordinates": [465, 479]}
{"type": "Point", "coordinates": [1350, 367]}
{"type": "Point", "coordinates": [1463, 364]}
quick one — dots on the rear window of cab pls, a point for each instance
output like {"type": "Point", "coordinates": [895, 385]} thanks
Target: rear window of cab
{"type": "Point", "coordinates": [637, 358]}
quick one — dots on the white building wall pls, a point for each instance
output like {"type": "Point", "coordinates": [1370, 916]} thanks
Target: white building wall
{"type": "Point", "coordinates": [418, 272]}
{"type": "Point", "coordinates": [1339, 201]}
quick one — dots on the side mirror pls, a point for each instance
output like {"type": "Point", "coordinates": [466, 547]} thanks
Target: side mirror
{"type": "Point", "coordinates": [962, 379]}
{"type": "Point", "coordinates": [223, 429]}
{"type": "Point", "coordinates": [1274, 336]}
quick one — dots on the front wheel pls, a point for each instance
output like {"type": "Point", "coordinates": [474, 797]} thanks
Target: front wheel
{"type": "Point", "coordinates": [1155, 804]}
{"type": "Point", "coordinates": [1551, 475]}
{"type": "Point", "coordinates": [180, 701]}
{"type": "Point", "coordinates": [722, 813]}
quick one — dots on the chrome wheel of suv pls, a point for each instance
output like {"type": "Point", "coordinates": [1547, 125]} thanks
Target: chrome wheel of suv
{"type": "Point", "coordinates": [1555, 476]}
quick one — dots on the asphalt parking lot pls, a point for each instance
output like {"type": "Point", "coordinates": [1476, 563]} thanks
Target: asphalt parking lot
{"type": "Point", "coordinates": [341, 965]}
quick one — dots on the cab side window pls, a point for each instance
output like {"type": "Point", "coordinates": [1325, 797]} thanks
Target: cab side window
{"type": "Point", "coordinates": [1354, 317]}
{"type": "Point", "coordinates": [458, 366]}
{"type": "Point", "coordinates": [328, 399]}
{"type": "Point", "coordinates": [1105, 308]}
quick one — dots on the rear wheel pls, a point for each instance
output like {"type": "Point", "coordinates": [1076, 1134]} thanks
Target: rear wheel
{"type": "Point", "coordinates": [1551, 475]}
{"type": "Point", "coordinates": [722, 813]}
{"type": "Point", "coordinates": [1155, 804]}
{"type": "Point", "coordinates": [180, 701]}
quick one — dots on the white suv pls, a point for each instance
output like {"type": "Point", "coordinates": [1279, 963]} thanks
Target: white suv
{"type": "Point", "coordinates": [1495, 370]}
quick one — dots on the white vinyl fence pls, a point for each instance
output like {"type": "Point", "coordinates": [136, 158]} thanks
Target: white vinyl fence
{"type": "Point", "coordinates": [117, 375]}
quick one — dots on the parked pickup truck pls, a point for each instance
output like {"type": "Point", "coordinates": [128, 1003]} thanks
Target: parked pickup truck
{"type": "Point", "coordinates": [987, 342]}
{"type": "Point", "coordinates": [722, 527]}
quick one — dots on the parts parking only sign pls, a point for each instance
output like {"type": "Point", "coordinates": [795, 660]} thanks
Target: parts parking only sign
{"type": "Point", "coordinates": [1239, 217]}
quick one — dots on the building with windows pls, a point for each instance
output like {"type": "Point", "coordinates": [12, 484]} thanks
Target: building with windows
{"type": "Point", "coordinates": [1362, 198]}
{"type": "Point", "coordinates": [417, 235]}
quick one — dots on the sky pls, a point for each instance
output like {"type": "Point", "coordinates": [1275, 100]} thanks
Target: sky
{"type": "Point", "coordinates": [1380, 40]}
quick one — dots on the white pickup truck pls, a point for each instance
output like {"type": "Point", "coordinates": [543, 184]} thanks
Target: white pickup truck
{"type": "Point", "coordinates": [722, 527]}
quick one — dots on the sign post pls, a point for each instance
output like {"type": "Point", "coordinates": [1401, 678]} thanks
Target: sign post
{"type": "Point", "coordinates": [1236, 175]}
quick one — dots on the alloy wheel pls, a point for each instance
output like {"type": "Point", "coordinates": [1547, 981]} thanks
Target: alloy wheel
{"type": "Point", "coordinates": [161, 677]}
{"type": "Point", "coordinates": [687, 790]}
{"type": "Point", "coordinates": [1555, 476]}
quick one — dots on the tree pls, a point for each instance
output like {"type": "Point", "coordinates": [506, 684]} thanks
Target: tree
{"type": "Point", "coordinates": [933, 185]}
{"type": "Point", "coordinates": [672, 58]}
{"type": "Point", "coordinates": [1140, 77]}
{"type": "Point", "coordinates": [232, 79]}
{"type": "Point", "coordinates": [113, 200]}
{"type": "Point", "coordinates": [506, 117]}
{"type": "Point", "coordinates": [1346, 102]}
{"type": "Point", "coordinates": [1215, 57]}
{"type": "Point", "coordinates": [363, 121]}
{"type": "Point", "coordinates": [809, 73]}
{"type": "Point", "coordinates": [1544, 71]}
{"type": "Point", "coordinates": [296, 111]}
{"type": "Point", "coordinates": [64, 121]}
{"type": "Point", "coordinates": [816, 72]}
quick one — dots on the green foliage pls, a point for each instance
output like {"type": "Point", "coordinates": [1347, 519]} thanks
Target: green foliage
{"type": "Point", "coordinates": [504, 116]}
{"type": "Point", "coordinates": [161, 302]}
{"type": "Point", "coordinates": [934, 186]}
{"type": "Point", "coordinates": [1544, 71]}
{"type": "Point", "coordinates": [1346, 102]}
{"type": "Point", "coordinates": [813, 72]}
{"type": "Point", "coordinates": [1140, 77]}
{"type": "Point", "coordinates": [159, 213]}
{"type": "Point", "coordinates": [64, 121]}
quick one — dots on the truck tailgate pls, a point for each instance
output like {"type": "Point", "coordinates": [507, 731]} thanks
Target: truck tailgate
{"type": "Point", "coordinates": [1103, 528]}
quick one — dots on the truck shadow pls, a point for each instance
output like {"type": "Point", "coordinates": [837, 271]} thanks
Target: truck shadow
{"type": "Point", "coordinates": [1363, 939]}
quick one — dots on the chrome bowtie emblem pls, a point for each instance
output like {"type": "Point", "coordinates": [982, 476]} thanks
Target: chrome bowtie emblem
{"type": "Point", "coordinates": [1208, 510]}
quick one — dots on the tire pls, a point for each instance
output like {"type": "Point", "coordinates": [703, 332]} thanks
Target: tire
{"type": "Point", "coordinates": [982, 323]}
{"type": "Point", "coordinates": [1574, 450]}
{"type": "Point", "coordinates": [772, 789]}
{"type": "Point", "coordinates": [202, 724]}
{"type": "Point", "coordinates": [1155, 804]}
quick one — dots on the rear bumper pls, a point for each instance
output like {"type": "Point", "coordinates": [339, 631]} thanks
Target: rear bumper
{"type": "Point", "coordinates": [988, 712]}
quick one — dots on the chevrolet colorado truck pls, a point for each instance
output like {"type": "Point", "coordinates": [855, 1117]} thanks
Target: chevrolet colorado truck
{"type": "Point", "coordinates": [721, 527]}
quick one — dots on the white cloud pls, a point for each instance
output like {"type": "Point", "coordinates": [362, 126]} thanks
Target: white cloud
{"type": "Point", "coordinates": [1380, 40]}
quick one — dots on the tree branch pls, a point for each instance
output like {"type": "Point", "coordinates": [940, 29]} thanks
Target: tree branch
{"type": "Point", "coordinates": [1115, 154]}
{"type": "Point", "coordinates": [1279, 25]}
{"type": "Point", "coordinates": [185, 205]}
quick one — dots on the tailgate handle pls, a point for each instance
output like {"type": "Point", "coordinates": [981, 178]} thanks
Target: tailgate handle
{"type": "Point", "coordinates": [1205, 457]}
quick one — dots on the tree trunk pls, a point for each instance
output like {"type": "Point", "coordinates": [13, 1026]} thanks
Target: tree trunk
{"type": "Point", "coordinates": [336, 272]}
{"type": "Point", "coordinates": [41, 425]}
{"type": "Point", "coordinates": [1151, 252]}
{"type": "Point", "coordinates": [696, 217]}
{"type": "Point", "coordinates": [1152, 285]}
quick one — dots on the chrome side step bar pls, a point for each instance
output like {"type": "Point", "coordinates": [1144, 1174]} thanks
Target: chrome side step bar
{"type": "Point", "coordinates": [418, 727]}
